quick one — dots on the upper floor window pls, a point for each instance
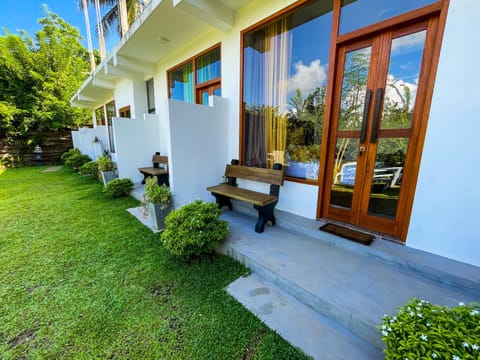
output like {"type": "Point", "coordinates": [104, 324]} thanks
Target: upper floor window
{"type": "Point", "coordinates": [196, 79]}
{"type": "Point", "coordinates": [150, 97]}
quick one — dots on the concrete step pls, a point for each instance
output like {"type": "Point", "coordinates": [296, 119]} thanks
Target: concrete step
{"type": "Point", "coordinates": [299, 324]}
{"type": "Point", "coordinates": [350, 286]}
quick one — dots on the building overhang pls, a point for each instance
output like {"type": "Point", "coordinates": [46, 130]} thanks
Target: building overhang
{"type": "Point", "coordinates": [161, 29]}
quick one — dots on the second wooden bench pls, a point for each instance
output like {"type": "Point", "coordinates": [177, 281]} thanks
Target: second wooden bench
{"type": "Point", "coordinates": [263, 203]}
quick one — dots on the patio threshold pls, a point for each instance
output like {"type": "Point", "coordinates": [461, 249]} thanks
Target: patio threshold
{"type": "Point", "coordinates": [297, 269]}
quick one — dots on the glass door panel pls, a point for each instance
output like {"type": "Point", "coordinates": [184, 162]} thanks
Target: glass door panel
{"type": "Point", "coordinates": [349, 125]}
{"type": "Point", "coordinates": [356, 14]}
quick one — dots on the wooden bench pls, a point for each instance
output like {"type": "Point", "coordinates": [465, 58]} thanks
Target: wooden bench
{"type": "Point", "coordinates": [264, 203]}
{"type": "Point", "coordinates": [159, 169]}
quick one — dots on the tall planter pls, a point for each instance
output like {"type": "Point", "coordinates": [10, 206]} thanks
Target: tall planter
{"type": "Point", "coordinates": [108, 176]}
{"type": "Point", "coordinates": [157, 214]}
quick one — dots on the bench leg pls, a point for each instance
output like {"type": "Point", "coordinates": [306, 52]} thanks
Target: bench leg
{"type": "Point", "coordinates": [223, 201]}
{"type": "Point", "coordinates": [144, 178]}
{"type": "Point", "coordinates": [265, 214]}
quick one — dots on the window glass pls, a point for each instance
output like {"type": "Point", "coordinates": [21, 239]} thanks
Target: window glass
{"type": "Point", "coordinates": [208, 66]}
{"type": "Point", "coordinates": [125, 112]}
{"type": "Point", "coordinates": [111, 112]}
{"type": "Point", "coordinates": [150, 97]}
{"type": "Point", "coordinates": [284, 88]}
{"type": "Point", "coordinates": [181, 83]}
{"type": "Point", "coordinates": [356, 14]}
{"type": "Point", "coordinates": [100, 115]}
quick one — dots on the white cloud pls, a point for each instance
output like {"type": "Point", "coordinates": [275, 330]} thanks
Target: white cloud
{"type": "Point", "coordinates": [395, 91]}
{"type": "Point", "coordinates": [408, 43]}
{"type": "Point", "coordinates": [307, 77]}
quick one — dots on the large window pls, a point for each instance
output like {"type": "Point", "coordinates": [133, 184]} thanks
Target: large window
{"type": "Point", "coordinates": [150, 97]}
{"type": "Point", "coordinates": [196, 79]}
{"type": "Point", "coordinates": [285, 66]}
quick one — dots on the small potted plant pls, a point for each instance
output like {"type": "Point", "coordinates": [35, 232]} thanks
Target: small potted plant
{"type": "Point", "coordinates": [107, 168]}
{"type": "Point", "coordinates": [158, 202]}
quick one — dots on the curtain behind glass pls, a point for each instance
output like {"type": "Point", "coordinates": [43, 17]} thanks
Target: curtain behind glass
{"type": "Point", "coordinates": [208, 66]}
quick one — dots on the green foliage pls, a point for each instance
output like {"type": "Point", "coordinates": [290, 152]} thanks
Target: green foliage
{"type": "Point", "coordinates": [194, 229]}
{"type": "Point", "coordinates": [118, 187]}
{"type": "Point", "coordinates": [304, 153]}
{"type": "Point", "coordinates": [67, 154]}
{"type": "Point", "coordinates": [38, 77]}
{"type": "Point", "coordinates": [105, 163]}
{"type": "Point", "coordinates": [77, 160]}
{"type": "Point", "coordinates": [421, 330]}
{"type": "Point", "coordinates": [157, 194]}
{"type": "Point", "coordinates": [90, 169]}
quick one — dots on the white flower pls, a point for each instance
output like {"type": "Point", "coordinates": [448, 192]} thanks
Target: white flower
{"type": "Point", "coordinates": [461, 304]}
{"type": "Point", "coordinates": [475, 347]}
{"type": "Point", "coordinates": [384, 326]}
{"type": "Point", "coordinates": [389, 329]}
{"type": "Point", "coordinates": [384, 333]}
{"type": "Point", "coordinates": [424, 337]}
{"type": "Point", "coordinates": [412, 314]}
{"type": "Point", "coordinates": [419, 315]}
{"type": "Point", "coordinates": [428, 324]}
{"type": "Point", "coordinates": [434, 355]}
{"type": "Point", "coordinates": [455, 357]}
{"type": "Point", "coordinates": [465, 344]}
{"type": "Point", "coordinates": [474, 312]}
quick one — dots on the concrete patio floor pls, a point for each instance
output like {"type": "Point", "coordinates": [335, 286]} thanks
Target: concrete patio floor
{"type": "Point", "coordinates": [325, 294]}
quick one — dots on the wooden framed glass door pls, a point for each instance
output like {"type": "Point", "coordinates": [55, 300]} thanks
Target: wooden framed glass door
{"type": "Point", "coordinates": [377, 108]}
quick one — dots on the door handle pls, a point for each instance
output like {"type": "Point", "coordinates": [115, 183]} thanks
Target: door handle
{"type": "Point", "coordinates": [376, 114]}
{"type": "Point", "coordinates": [366, 109]}
{"type": "Point", "coordinates": [361, 150]}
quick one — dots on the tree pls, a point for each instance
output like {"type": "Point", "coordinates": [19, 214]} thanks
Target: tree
{"type": "Point", "coordinates": [111, 20]}
{"type": "Point", "coordinates": [38, 76]}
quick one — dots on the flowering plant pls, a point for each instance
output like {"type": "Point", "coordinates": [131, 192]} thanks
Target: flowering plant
{"type": "Point", "coordinates": [421, 330]}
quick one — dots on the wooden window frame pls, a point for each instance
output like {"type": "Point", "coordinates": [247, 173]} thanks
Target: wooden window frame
{"type": "Point", "coordinates": [193, 60]}
{"type": "Point", "coordinates": [150, 110]}
{"type": "Point", "coordinates": [125, 112]}
{"type": "Point", "coordinates": [335, 41]}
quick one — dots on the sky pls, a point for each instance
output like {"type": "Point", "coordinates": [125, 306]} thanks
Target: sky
{"type": "Point", "coordinates": [24, 14]}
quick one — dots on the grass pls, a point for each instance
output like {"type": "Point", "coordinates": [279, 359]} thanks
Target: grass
{"type": "Point", "coordinates": [81, 278]}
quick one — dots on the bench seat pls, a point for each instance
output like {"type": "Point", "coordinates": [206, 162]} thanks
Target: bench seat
{"type": "Point", "coordinates": [161, 172]}
{"type": "Point", "coordinates": [263, 203]}
{"type": "Point", "coordinates": [237, 193]}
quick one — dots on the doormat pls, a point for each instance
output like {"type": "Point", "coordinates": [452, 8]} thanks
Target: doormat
{"type": "Point", "coordinates": [347, 233]}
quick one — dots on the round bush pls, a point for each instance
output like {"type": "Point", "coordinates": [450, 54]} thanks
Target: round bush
{"type": "Point", "coordinates": [77, 160]}
{"type": "Point", "coordinates": [194, 229]}
{"type": "Point", "coordinates": [66, 155]}
{"type": "Point", "coordinates": [90, 169]}
{"type": "Point", "coordinates": [118, 187]}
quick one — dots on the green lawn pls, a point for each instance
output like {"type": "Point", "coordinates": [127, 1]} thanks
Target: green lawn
{"type": "Point", "coordinates": [81, 278]}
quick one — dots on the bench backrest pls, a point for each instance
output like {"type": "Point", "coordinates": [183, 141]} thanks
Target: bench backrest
{"type": "Point", "coordinates": [160, 159]}
{"type": "Point", "coordinates": [268, 176]}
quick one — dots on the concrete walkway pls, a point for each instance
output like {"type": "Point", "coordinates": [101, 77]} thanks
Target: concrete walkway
{"type": "Point", "coordinates": [326, 294]}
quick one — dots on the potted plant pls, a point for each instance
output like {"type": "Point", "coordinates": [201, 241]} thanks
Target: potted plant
{"type": "Point", "coordinates": [158, 202]}
{"type": "Point", "coordinates": [303, 161]}
{"type": "Point", "coordinates": [107, 168]}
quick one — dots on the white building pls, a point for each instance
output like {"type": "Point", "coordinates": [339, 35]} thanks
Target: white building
{"type": "Point", "coordinates": [371, 106]}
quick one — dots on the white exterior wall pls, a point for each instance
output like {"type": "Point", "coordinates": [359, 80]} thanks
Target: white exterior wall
{"type": "Point", "coordinates": [197, 140]}
{"type": "Point", "coordinates": [446, 209]}
{"type": "Point", "coordinates": [83, 140]}
{"type": "Point", "coordinates": [136, 141]}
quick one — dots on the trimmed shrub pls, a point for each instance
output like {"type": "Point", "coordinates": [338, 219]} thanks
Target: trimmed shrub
{"type": "Point", "coordinates": [66, 155]}
{"type": "Point", "coordinates": [194, 229]}
{"type": "Point", "coordinates": [90, 169]}
{"type": "Point", "coordinates": [421, 330]}
{"type": "Point", "coordinates": [118, 187]}
{"type": "Point", "coordinates": [157, 194]}
{"type": "Point", "coordinates": [77, 160]}
{"type": "Point", "coordinates": [105, 163]}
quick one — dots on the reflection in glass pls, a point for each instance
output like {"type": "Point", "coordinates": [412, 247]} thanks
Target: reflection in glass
{"type": "Point", "coordinates": [356, 14]}
{"type": "Point", "coordinates": [344, 172]}
{"type": "Point", "coordinates": [181, 83]}
{"type": "Point", "coordinates": [387, 176]}
{"type": "Point", "coordinates": [354, 86]}
{"type": "Point", "coordinates": [208, 66]}
{"type": "Point", "coordinates": [284, 90]}
{"type": "Point", "coordinates": [403, 72]}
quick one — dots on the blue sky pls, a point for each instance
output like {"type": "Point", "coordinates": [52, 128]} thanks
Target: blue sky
{"type": "Point", "coordinates": [24, 14]}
